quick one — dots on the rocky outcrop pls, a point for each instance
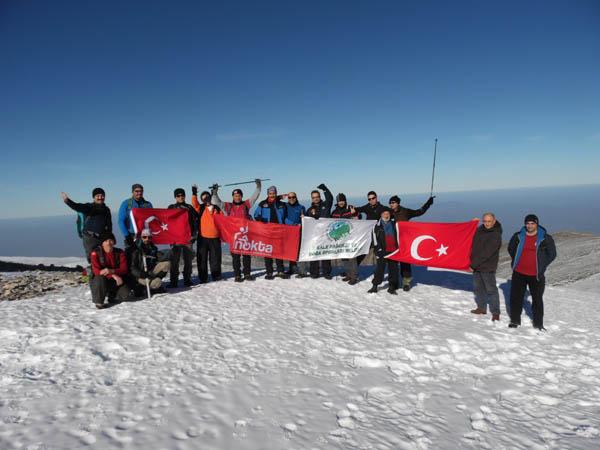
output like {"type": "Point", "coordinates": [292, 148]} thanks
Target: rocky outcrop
{"type": "Point", "coordinates": [22, 285]}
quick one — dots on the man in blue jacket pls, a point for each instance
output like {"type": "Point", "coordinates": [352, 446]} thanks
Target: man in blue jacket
{"type": "Point", "coordinates": [294, 213]}
{"type": "Point", "coordinates": [135, 201]}
{"type": "Point", "coordinates": [272, 210]}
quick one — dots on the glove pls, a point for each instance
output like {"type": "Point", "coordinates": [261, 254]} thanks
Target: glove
{"type": "Point", "coordinates": [322, 186]}
{"type": "Point", "coordinates": [214, 187]}
{"type": "Point", "coordinates": [129, 240]}
{"type": "Point", "coordinates": [144, 275]}
{"type": "Point", "coordinates": [430, 201]}
{"type": "Point", "coordinates": [194, 189]}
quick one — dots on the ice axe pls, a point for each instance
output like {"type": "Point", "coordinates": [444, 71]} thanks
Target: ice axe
{"type": "Point", "coordinates": [239, 182]}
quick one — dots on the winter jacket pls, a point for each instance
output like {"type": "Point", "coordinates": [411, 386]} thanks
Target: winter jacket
{"type": "Point", "coordinates": [323, 208]}
{"type": "Point", "coordinates": [274, 212]}
{"type": "Point", "coordinates": [206, 222]}
{"type": "Point", "coordinates": [485, 250]}
{"type": "Point", "coordinates": [372, 212]}
{"type": "Point", "coordinates": [152, 254]}
{"type": "Point", "coordinates": [102, 260]}
{"type": "Point", "coordinates": [381, 247]}
{"type": "Point", "coordinates": [403, 214]}
{"type": "Point", "coordinates": [343, 213]}
{"type": "Point", "coordinates": [293, 213]}
{"type": "Point", "coordinates": [240, 210]}
{"type": "Point", "coordinates": [127, 205]}
{"type": "Point", "coordinates": [545, 249]}
{"type": "Point", "coordinates": [97, 216]}
{"type": "Point", "coordinates": [193, 217]}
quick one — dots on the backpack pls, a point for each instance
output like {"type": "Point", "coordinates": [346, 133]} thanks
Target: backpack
{"type": "Point", "coordinates": [79, 223]}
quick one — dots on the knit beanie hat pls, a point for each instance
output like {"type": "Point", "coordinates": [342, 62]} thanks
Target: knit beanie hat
{"type": "Point", "coordinates": [178, 191]}
{"type": "Point", "coordinates": [107, 235]}
{"type": "Point", "coordinates": [97, 191]}
{"type": "Point", "coordinates": [237, 191]}
{"type": "Point", "coordinates": [532, 218]}
{"type": "Point", "coordinates": [272, 189]}
{"type": "Point", "coordinates": [395, 198]}
{"type": "Point", "coordinates": [340, 197]}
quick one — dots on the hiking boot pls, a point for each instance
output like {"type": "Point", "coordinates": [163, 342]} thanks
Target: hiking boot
{"type": "Point", "coordinates": [495, 317]}
{"type": "Point", "coordinates": [392, 291]}
{"type": "Point", "coordinates": [327, 277]}
{"type": "Point", "coordinates": [289, 272]}
{"type": "Point", "coordinates": [269, 276]}
{"type": "Point", "coordinates": [478, 311]}
{"type": "Point", "coordinates": [248, 277]}
{"type": "Point", "coordinates": [301, 275]}
{"type": "Point", "coordinates": [513, 325]}
{"type": "Point", "coordinates": [406, 287]}
{"type": "Point", "coordinates": [352, 281]}
{"type": "Point", "coordinates": [539, 328]}
{"type": "Point", "coordinates": [217, 278]}
{"type": "Point", "coordinates": [238, 279]}
{"type": "Point", "coordinates": [283, 275]}
{"type": "Point", "coordinates": [314, 276]}
{"type": "Point", "coordinates": [346, 278]}
{"type": "Point", "coordinates": [160, 290]}
{"type": "Point", "coordinates": [187, 283]}
{"type": "Point", "coordinates": [100, 306]}
{"type": "Point", "coordinates": [373, 290]}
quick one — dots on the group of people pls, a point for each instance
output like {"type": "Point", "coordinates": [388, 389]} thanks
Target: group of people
{"type": "Point", "coordinates": [115, 272]}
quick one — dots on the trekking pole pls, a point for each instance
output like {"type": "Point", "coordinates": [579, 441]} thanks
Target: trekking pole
{"type": "Point", "coordinates": [240, 182]}
{"type": "Point", "coordinates": [146, 270]}
{"type": "Point", "coordinates": [433, 170]}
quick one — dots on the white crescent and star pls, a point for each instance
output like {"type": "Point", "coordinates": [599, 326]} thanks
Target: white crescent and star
{"type": "Point", "coordinates": [414, 247]}
{"type": "Point", "coordinates": [163, 226]}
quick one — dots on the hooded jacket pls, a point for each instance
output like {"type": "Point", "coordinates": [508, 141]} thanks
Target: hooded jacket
{"type": "Point", "coordinates": [545, 249]}
{"type": "Point", "coordinates": [97, 217]}
{"type": "Point", "coordinates": [485, 250]}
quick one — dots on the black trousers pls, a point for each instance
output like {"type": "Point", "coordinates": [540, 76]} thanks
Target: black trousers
{"type": "Point", "coordinates": [314, 268]}
{"type": "Point", "coordinates": [209, 249]}
{"type": "Point", "coordinates": [269, 265]}
{"type": "Point", "coordinates": [517, 294]}
{"type": "Point", "coordinates": [406, 270]}
{"type": "Point", "coordinates": [177, 251]}
{"type": "Point", "coordinates": [237, 261]}
{"type": "Point", "coordinates": [392, 272]}
{"type": "Point", "coordinates": [103, 287]}
{"type": "Point", "coordinates": [90, 243]}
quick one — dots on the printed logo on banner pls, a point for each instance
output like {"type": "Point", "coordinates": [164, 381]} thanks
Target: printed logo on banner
{"type": "Point", "coordinates": [242, 243]}
{"type": "Point", "coordinates": [339, 230]}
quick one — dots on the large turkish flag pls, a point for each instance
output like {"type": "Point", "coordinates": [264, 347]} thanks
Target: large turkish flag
{"type": "Point", "coordinates": [168, 226]}
{"type": "Point", "coordinates": [442, 245]}
{"type": "Point", "coordinates": [270, 240]}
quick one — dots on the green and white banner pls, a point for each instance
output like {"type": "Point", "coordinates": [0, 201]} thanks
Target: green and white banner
{"type": "Point", "coordinates": [335, 238]}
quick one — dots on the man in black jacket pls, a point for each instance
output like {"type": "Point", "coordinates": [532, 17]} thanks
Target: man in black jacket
{"type": "Point", "coordinates": [316, 210]}
{"type": "Point", "coordinates": [344, 211]}
{"type": "Point", "coordinates": [186, 250]}
{"type": "Point", "coordinates": [485, 252]}
{"type": "Point", "coordinates": [402, 214]}
{"type": "Point", "coordinates": [386, 243]}
{"type": "Point", "coordinates": [97, 220]}
{"type": "Point", "coordinates": [532, 250]}
{"type": "Point", "coordinates": [155, 269]}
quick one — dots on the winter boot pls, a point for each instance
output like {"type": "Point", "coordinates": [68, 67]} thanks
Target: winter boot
{"type": "Point", "coordinates": [406, 284]}
{"type": "Point", "coordinates": [373, 290]}
{"type": "Point", "coordinates": [478, 311]}
{"type": "Point", "coordinates": [495, 317]}
{"type": "Point", "coordinates": [282, 275]}
{"type": "Point", "coordinates": [346, 278]}
{"type": "Point", "coordinates": [269, 276]}
{"type": "Point", "coordinates": [249, 277]}
{"type": "Point", "coordinates": [328, 276]}
{"type": "Point", "coordinates": [392, 290]}
{"type": "Point", "coordinates": [513, 325]}
{"type": "Point", "coordinates": [187, 283]}
{"type": "Point", "coordinates": [352, 281]}
{"type": "Point", "coordinates": [238, 279]}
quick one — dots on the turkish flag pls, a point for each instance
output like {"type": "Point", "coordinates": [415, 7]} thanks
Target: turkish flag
{"type": "Point", "coordinates": [270, 240]}
{"type": "Point", "coordinates": [442, 245]}
{"type": "Point", "coordinates": [168, 226]}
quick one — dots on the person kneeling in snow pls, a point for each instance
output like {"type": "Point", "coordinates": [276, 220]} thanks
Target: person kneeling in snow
{"type": "Point", "coordinates": [386, 243]}
{"type": "Point", "coordinates": [156, 267]}
{"type": "Point", "coordinates": [109, 266]}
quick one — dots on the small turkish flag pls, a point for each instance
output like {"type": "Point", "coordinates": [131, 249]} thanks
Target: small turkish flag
{"type": "Point", "coordinates": [168, 226]}
{"type": "Point", "coordinates": [442, 245]}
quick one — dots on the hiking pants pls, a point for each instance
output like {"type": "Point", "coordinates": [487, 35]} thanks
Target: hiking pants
{"type": "Point", "coordinates": [269, 265]}
{"type": "Point", "coordinates": [392, 272]}
{"type": "Point", "coordinates": [90, 242]}
{"type": "Point", "coordinates": [485, 290]}
{"type": "Point", "coordinates": [239, 260]}
{"type": "Point", "coordinates": [517, 294]}
{"type": "Point", "coordinates": [103, 287]}
{"type": "Point", "coordinates": [188, 255]}
{"type": "Point", "coordinates": [209, 249]}
{"type": "Point", "coordinates": [325, 268]}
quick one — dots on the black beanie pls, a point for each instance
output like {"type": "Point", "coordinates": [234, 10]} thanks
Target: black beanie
{"type": "Point", "coordinates": [136, 186]}
{"type": "Point", "coordinates": [107, 235]}
{"type": "Point", "coordinates": [237, 191]}
{"type": "Point", "coordinates": [97, 191]}
{"type": "Point", "coordinates": [532, 218]}
{"type": "Point", "coordinates": [178, 191]}
{"type": "Point", "coordinates": [203, 194]}
{"type": "Point", "coordinates": [394, 198]}
{"type": "Point", "coordinates": [340, 197]}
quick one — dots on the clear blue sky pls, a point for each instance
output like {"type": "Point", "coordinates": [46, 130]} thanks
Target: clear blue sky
{"type": "Point", "coordinates": [108, 93]}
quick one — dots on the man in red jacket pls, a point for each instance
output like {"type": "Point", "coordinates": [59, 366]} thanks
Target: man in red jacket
{"type": "Point", "coordinates": [109, 266]}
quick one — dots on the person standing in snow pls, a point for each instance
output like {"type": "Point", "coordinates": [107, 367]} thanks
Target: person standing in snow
{"type": "Point", "coordinates": [343, 211]}
{"type": "Point", "coordinates": [156, 267]}
{"type": "Point", "coordinates": [97, 219]}
{"type": "Point", "coordinates": [485, 252]}
{"type": "Point", "coordinates": [239, 208]}
{"type": "Point", "coordinates": [532, 250]}
{"type": "Point", "coordinates": [386, 243]}
{"type": "Point", "coordinates": [272, 210]}
{"type": "Point", "coordinates": [187, 250]}
{"type": "Point", "coordinates": [135, 201]}
{"type": "Point", "coordinates": [372, 211]}
{"type": "Point", "coordinates": [294, 212]}
{"type": "Point", "coordinates": [109, 266]}
{"type": "Point", "coordinates": [402, 214]}
{"type": "Point", "coordinates": [209, 242]}
{"type": "Point", "coordinates": [316, 210]}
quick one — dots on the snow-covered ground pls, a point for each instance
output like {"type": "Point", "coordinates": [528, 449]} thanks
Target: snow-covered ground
{"type": "Point", "coordinates": [290, 364]}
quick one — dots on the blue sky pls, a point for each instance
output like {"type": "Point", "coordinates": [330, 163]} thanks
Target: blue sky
{"type": "Point", "coordinates": [351, 93]}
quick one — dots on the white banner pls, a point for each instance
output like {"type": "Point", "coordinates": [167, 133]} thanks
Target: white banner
{"type": "Point", "coordinates": [334, 238]}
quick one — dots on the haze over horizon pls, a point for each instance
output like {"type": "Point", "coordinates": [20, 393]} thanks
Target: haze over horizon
{"type": "Point", "coordinates": [112, 93]}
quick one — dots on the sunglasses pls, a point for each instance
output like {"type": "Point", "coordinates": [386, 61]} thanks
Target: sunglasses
{"type": "Point", "coordinates": [291, 196]}
{"type": "Point", "coordinates": [137, 191]}
{"type": "Point", "coordinates": [372, 198]}
{"type": "Point", "coordinates": [146, 237]}
{"type": "Point", "coordinates": [180, 195]}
